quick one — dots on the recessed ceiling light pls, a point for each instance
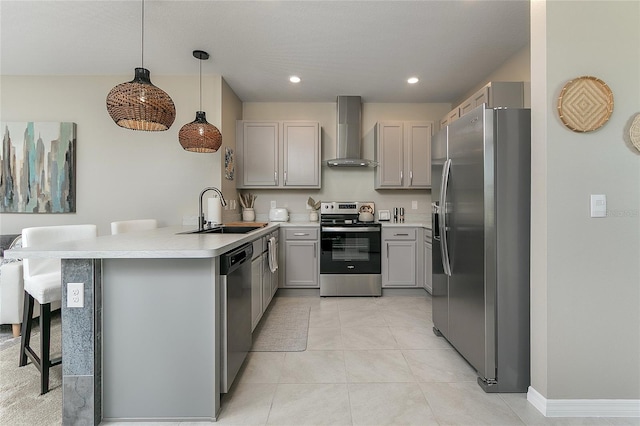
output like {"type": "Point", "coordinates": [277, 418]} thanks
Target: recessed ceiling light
{"type": "Point", "coordinates": [413, 80]}
{"type": "Point", "coordinates": [294, 79]}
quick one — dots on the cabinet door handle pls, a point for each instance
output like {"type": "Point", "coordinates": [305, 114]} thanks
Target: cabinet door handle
{"type": "Point", "coordinates": [314, 250]}
{"type": "Point", "coordinates": [401, 176]}
{"type": "Point", "coordinates": [400, 235]}
{"type": "Point", "coordinates": [387, 250]}
{"type": "Point", "coordinates": [275, 176]}
{"type": "Point", "coordinates": [410, 177]}
{"type": "Point", "coordinates": [300, 234]}
{"type": "Point", "coordinates": [285, 176]}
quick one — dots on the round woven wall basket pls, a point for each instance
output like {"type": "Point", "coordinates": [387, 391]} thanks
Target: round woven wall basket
{"type": "Point", "coordinates": [585, 104]}
{"type": "Point", "coordinates": [634, 132]}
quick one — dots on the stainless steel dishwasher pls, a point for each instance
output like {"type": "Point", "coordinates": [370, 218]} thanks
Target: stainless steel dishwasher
{"type": "Point", "coordinates": [235, 312]}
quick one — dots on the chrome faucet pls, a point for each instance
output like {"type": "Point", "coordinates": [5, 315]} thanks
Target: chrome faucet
{"type": "Point", "coordinates": [201, 218]}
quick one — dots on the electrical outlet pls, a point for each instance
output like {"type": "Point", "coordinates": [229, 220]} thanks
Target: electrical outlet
{"type": "Point", "coordinates": [598, 205]}
{"type": "Point", "coordinates": [75, 295]}
{"type": "Point", "coordinates": [414, 205]}
{"type": "Point", "coordinates": [273, 204]}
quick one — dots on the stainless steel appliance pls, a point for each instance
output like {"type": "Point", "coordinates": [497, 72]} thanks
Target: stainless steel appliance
{"type": "Point", "coordinates": [350, 262]}
{"type": "Point", "coordinates": [481, 222]}
{"type": "Point", "coordinates": [348, 134]}
{"type": "Point", "coordinates": [235, 312]}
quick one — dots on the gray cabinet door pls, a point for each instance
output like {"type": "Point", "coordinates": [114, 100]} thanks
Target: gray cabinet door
{"type": "Point", "coordinates": [403, 153]}
{"type": "Point", "coordinates": [301, 264]}
{"type": "Point", "coordinates": [418, 159]}
{"type": "Point", "coordinates": [259, 151]}
{"type": "Point", "coordinates": [256, 292]}
{"type": "Point", "coordinates": [389, 151]}
{"type": "Point", "coordinates": [399, 266]}
{"type": "Point", "coordinates": [428, 266]}
{"type": "Point", "coordinates": [267, 294]}
{"type": "Point", "coordinates": [301, 148]}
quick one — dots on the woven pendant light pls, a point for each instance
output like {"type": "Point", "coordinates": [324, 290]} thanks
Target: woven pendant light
{"type": "Point", "coordinates": [138, 104]}
{"type": "Point", "coordinates": [200, 135]}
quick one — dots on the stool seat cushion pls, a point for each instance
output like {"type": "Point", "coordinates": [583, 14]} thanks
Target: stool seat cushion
{"type": "Point", "coordinates": [45, 288]}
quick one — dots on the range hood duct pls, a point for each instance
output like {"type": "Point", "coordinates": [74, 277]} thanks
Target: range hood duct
{"type": "Point", "coordinates": [349, 123]}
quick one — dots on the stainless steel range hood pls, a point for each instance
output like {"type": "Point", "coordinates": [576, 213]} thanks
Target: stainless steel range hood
{"type": "Point", "coordinates": [349, 125]}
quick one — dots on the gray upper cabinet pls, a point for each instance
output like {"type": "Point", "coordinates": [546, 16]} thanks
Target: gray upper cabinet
{"type": "Point", "coordinates": [257, 159]}
{"type": "Point", "coordinates": [403, 153]}
{"type": "Point", "coordinates": [302, 160]}
{"type": "Point", "coordinates": [509, 94]}
{"type": "Point", "coordinates": [278, 154]}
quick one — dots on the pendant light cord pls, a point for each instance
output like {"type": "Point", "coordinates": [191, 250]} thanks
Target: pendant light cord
{"type": "Point", "coordinates": [142, 38]}
{"type": "Point", "coordinates": [200, 84]}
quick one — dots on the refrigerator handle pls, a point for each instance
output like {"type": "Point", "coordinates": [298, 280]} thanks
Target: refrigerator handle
{"type": "Point", "coordinates": [444, 247]}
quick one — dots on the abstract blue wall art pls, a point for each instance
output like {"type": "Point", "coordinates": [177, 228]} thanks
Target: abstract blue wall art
{"type": "Point", "coordinates": [38, 161]}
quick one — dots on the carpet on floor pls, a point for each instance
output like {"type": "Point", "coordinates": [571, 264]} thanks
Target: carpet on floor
{"type": "Point", "coordinates": [284, 327]}
{"type": "Point", "coordinates": [20, 399]}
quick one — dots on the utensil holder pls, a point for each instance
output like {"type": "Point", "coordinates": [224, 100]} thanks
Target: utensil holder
{"type": "Point", "coordinates": [248, 215]}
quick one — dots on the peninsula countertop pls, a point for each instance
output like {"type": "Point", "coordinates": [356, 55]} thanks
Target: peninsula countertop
{"type": "Point", "coordinates": [160, 243]}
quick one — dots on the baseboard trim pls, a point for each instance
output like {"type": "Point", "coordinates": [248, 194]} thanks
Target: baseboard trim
{"type": "Point", "coordinates": [583, 407]}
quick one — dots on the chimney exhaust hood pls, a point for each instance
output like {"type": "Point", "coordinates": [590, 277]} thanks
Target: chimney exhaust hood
{"type": "Point", "coordinates": [349, 124]}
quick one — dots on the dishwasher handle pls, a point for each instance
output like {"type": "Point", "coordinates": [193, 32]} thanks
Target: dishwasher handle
{"type": "Point", "coordinates": [232, 260]}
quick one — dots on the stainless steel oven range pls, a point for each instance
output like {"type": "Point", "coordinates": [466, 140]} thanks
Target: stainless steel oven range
{"type": "Point", "coordinates": [350, 250]}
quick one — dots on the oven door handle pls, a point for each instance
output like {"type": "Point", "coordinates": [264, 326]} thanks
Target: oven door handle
{"type": "Point", "coordinates": [350, 229]}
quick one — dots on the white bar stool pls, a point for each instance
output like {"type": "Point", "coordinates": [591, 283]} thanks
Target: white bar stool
{"type": "Point", "coordinates": [43, 282]}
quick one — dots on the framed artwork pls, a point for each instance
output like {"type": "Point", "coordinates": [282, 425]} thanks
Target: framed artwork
{"type": "Point", "coordinates": [38, 161]}
{"type": "Point", "coordinates": [229, 167]}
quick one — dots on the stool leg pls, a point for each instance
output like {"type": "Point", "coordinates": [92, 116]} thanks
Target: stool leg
{"type": "Point", "coordinates": [27, 314]}
{"type": "Point", "coordinates": [45, 346]}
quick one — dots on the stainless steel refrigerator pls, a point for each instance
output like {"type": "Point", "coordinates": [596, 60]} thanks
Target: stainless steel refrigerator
{"type": "Point", "coordinates": [481, 175]}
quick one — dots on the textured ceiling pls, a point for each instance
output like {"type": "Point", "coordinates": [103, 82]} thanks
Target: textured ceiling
{"type": "Point", "coordinates": [366, 48]}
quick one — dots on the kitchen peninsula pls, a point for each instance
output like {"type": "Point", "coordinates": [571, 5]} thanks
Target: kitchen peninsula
{"type": "Point", "coordinates": [145, 343]}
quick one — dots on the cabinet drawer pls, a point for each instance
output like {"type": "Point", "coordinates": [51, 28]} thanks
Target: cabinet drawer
{"type": "Point", "coordinates": [301, 234]}
{"type": "Point", "coordinates": [399, 233]}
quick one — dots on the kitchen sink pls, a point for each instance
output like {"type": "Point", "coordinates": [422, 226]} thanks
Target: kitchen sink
{"type": "Point", "coordinates": [225, 230]}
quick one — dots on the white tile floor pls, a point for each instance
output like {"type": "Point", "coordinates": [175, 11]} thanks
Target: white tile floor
{"type": "Point", "coordinates": [373, 361]}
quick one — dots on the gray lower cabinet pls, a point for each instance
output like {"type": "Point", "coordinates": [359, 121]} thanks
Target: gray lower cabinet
{"type": "Point", "coordinates": [428, 267]}
{"type": "Point", "coordinates": [267, 293]}
{"type": "Point", "coordinates": [301, 257]}
{"type": "Point", "coordinates": [264, 283]}
{"type": "Point", "coordinates": [256, 284]}
{"type": "Point", "coordinates": [399, 257]}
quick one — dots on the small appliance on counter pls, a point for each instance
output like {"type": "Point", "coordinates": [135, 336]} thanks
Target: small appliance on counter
{"type": "Point", "coordinates": [278, 215]}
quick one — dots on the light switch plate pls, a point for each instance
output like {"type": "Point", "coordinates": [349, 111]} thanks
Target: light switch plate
{"type": "Point", "coordinates": [598, 205]}
{"type": "Point", "coordinates": [414, 205]}
{"type": "Point", "coordinates": [273, 204]}
{"type": "Point", "coordinates": [75, 295]}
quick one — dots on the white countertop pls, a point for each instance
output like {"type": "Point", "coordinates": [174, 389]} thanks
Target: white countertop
{"type": "Point", "coordinates": [161, 243]}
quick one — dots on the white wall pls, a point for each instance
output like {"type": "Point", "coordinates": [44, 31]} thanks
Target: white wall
{"type": "Point", "coordinates": [231, 111]}
{"type": "Point", "coordinates": [344, 184]}
{"type": "Point", "coordinates": [585, 271]}
{"type": "Point", "coordinates": [515, 68]}
{"type": "Point", "coordinates": [121, 174]}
